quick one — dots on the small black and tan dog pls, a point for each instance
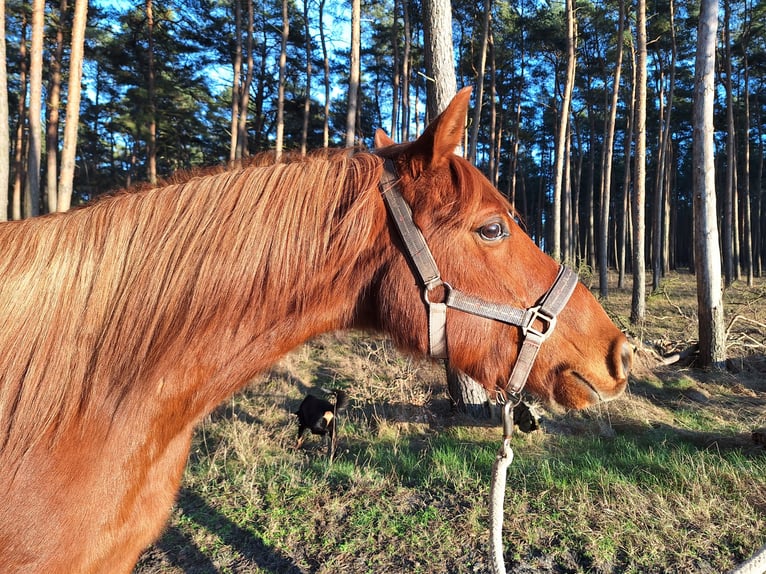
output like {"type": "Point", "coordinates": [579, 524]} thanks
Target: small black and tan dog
{"type": "Point", "coordinates": [318, 415]}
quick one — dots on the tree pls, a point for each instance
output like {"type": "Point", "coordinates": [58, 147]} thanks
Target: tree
{"type": "Point", "coordinates": [282, 79]}
{"type": "Point", "coordinates": [32, 186]}
{"type": "Point", "coordinates": [354, 72]}
{"type": "Point", "coordinates": [638, 300]}
{"type": "Point", "coordinates": [52, 110]}
{"type": "Point", "coordinates": [562, 150]}
{"type": "Point", "coordinates": [441, 84]}
{"type": "Point", "coordinates": [606, 162]}
{"type": "Point", "coordinates": [707, 254]}
{"type": "Point", "coordinates": [68, 152]}
{"type": "Point", "coordinates": [5, 143]}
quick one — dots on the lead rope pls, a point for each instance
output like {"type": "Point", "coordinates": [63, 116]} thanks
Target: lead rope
{"type": "Point", "coordinates": [503, 460]}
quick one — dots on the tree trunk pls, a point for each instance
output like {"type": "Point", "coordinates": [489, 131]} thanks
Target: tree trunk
{"type": "Point", "coordinates": [244, 103]}
{"type": "Point", "coordinates": [353, 80]}
{"type": "Point", "coordinates": [638, 301]}
{"type": "Point", "coordinates": [606, 164]}
{"type": "Point", "coordinates": [728, 203]}
{"type": "Point", "coordinates": [326, 61]}
{"type": "Point", "coordinates": [68, 152]}
{"type": "Point", "coordinates": [467, 395]}
{"type": "Point", "coordinates": [52, 109]}
{"type": "Point", "coordinates": [441, 84]}
{"type": "Point", "coordinates": [19, 167]}
{"type": "Point", "coordinates": [236, 79]}
{"type": "Point", "coordinates": [562, 153]}
{"type": "Point", "coordinates": [476, 118]}
{"type": "Point", "coordinates": [34, 154]}
{"type": "Point", "coordinates": [707, 255]}
{"type": "Point", "coordinates": [748, 220]}
{"type": "Point", "coordinates": [282, 78]}
{"type": "Point", "coordinates": [5, 139]}
{"type": "Point", "coordinates": [406, 72]}
{"type": "Point", "coordinates": [152, 143]}
{"type": "Point", "coordinates": [307, 100]}
{"type": "Point", "coordinates": [625, 219]}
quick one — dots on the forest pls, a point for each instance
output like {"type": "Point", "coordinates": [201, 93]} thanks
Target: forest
{"type": "Point", "coordinates": [175, 85]}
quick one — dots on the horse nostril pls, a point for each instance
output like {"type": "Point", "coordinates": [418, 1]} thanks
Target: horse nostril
{"type": "Point", "coordinates": [627, 358]}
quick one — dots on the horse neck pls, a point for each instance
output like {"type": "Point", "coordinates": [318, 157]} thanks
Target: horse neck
{"type": "Point", "coordinates": [183, 294]}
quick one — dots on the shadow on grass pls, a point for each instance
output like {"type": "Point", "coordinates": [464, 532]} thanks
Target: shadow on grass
{"type": "Point", "coordinates": [177, 547]}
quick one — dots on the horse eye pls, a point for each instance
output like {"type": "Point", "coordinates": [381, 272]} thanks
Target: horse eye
{"type": "Point", "coordinates": [493, 231]}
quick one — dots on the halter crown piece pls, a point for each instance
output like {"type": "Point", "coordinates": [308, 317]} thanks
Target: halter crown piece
{"type": "Point", "coordinates": [427, 273]}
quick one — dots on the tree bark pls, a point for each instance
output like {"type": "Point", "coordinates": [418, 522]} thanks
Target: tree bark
{"type": "Point", "coordinates": [5, 139]}
{"type": "Point", "coordinates": [52, 109]}
{"type": "Point", "coordinates": [326, 62]}
{"type": "Point", "coordinates": [68, 152]}
{"type": "Point", "coordinates": [307, 100]}
{"type": "Point", "coordinates": [152, 143]}
{"type": "Point", "coordinates": [353, 80]}
{"type": "Point", "coordinates": [282, 78]}
{"type": "Point", "coordinates": [236, 80]}
{"type": "Point", "coordinates": [34, 154]}
{"type": "Point", "coordinates": [562, 152]}
{"type": "Point", "coordinates": [638, 301]}
{"type": "Point", "coordinates": [606, 164]}
{"type": "Point", "coordinates": [244, 103]}
{"type": "Point", "coordinates": [476, 117]}
{"type": "Point", "coordinates": [707, 255]}
{"type": "Point", "coordinates": [441, 84]}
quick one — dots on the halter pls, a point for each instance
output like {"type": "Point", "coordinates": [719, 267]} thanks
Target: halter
{"type": "Point", "coordinates": [425, 270]}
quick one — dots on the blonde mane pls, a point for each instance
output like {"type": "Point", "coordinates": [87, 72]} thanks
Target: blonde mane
{"type": "Point", "coordinates": [90, 300]}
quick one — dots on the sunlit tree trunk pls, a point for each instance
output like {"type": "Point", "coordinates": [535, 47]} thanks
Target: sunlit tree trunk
{"type": "Point", "coordinates": [727, 231]}
{"type": "Point", "coordinates": [68, 151]}
{"type": "Point", "coordinates": [638, 301]}
{"type": "Point", "coordinates": [5, 138]}
{"type": "Point", "coordinates": [282, 78]}
{"type": "Point", "coordinates": [397, 69]}
{"type": "Point", "coordinates": [406, 72]}
{"type": "Point", "coordinates": [562, 152]}
{"type": "Point", "coordinates": [476, 117]}
{"type": "Point", "coordinates": [34, 154]}
{"type": "Point", "coordinates": [236, 80]}
{"type": "Point", "coordinates": [441, 85]}
{"type": "Point", "coordinates": [244, 103]}
{"type": "Point", "coordinates": [354, 71]}
{"type": "Point", "coordinates": [326, 62]}
{"type": "Point", "coordinates": [606, 163]}
{"type": "Point", "coordinates": [52, 111]}
{"type": "Point", "coordinates": [707, 254]}
{"type": "Point", "coordinates": [748, 220]}
{"type": "Point", "coordinates": [152, 143]}
{"type": "Point", "coordinates": [624, 229]}
{"type": "Point", "coordinates": [19, 167]}
{"type": "Point", "coordinates": [307, 99]}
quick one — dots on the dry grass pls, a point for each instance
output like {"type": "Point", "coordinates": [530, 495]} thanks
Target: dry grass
{"type": "Point", "coordinates": [666, 479]}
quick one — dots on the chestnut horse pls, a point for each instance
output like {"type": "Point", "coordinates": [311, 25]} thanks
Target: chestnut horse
{"type": "Point", "coordinates": [123, 323]}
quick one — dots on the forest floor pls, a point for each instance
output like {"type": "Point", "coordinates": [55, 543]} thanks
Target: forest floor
{"type": "Point", "coordinates": [669, 478]}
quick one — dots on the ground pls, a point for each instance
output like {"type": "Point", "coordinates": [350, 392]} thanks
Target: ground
{"type": "Point", "coordinates": [669, 478]}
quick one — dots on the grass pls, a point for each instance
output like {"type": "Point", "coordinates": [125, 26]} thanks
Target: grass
{"type": "Point", "coordinates": [663, 480]}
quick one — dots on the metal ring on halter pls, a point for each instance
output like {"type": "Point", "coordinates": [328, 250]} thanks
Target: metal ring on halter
{"type": "Point", "coordinates": [429, 288]}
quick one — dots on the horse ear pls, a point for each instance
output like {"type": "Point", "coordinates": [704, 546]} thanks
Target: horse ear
{"type": "Point", "coordinates": [445, 133]}
{"type": "Point", "coordinates": [382, 139]}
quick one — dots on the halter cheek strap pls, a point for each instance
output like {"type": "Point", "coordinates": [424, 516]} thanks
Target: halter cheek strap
{"type": "Point", "coordinates": [427, 273]}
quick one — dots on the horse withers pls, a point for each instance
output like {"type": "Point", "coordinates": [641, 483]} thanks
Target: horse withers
{"type": "Point", "coordinates": [124, 322]}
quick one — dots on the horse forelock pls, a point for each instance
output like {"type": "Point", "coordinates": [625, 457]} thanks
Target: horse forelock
{"type": "Point", "coordinates": [91, 300]}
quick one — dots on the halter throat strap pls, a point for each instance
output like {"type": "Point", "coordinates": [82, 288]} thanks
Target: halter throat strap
{"type": "Point", "coordinates": [536, 322]}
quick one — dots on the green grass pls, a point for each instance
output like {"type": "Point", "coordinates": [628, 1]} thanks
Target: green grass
{"type": "Point", "coordinates": [654, 483]}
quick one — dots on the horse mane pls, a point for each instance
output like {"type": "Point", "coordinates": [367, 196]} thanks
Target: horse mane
{"type": "Point", "coordinates": [92, 300]}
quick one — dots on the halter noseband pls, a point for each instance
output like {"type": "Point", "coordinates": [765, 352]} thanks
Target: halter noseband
{"type": "Point", "coordinates": [426, 271]}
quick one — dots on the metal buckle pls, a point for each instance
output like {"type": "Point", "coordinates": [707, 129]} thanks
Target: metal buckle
{"type": "Point", "coordinates": [534, 314]}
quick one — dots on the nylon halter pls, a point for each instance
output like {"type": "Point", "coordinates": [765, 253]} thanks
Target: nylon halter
{"type": "Point", "coordinates": [427, 273]}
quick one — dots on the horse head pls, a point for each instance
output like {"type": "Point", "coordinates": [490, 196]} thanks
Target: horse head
{"type": "Point", "coordinates": [479, 249]}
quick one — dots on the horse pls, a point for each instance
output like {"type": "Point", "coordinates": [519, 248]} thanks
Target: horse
{"type": "Point", "coordinates": [124, 322]}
